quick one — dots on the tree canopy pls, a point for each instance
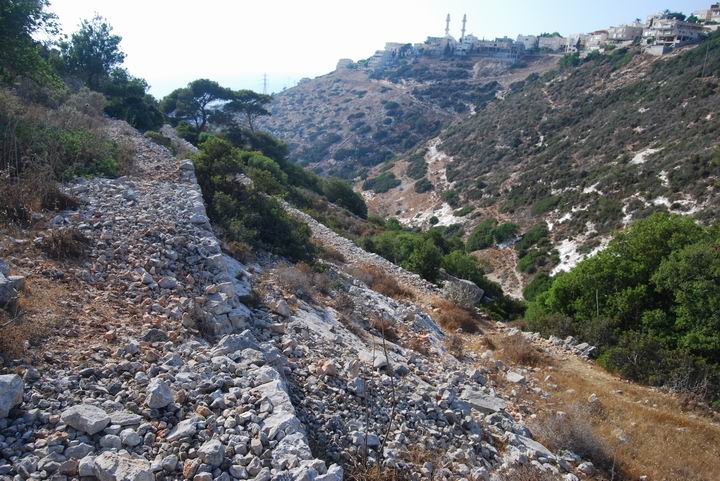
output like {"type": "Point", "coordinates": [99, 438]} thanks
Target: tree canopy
{"type": "Point", "coordinates": [19, 52]}
{"type": "Point", "coordinates": [195, 103]}
{"type": "Point", "coordinates": [656, 284]}
{"type": "Point", "coordinates": [92, 52]}
{"type": "Point", "coordinates": [249, 104]}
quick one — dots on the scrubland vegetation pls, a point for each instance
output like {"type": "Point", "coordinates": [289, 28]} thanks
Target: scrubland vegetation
{"type": "Point", "coordinates": [649, 301]}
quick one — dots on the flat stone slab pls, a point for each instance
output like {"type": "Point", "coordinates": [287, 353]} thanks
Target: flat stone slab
{"type": "Point", "coordinates": [86, 418]}
{"type": "Point", "coordinates": [483, 403]}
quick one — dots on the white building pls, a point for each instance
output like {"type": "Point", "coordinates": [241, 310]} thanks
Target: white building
{"type": "Point", "coordinates": [597, 40]}
{"type": "Point", "coordinates": [530, 42]}
{"type": "Point", "coordinates": [555, 43]}
{"type": "Point", "coordinates": [625, 33]}
{"type": "Point", "coordinates": [712, 14]}
{"type": "Point", "coordinates": [576, 42]}
{"type": "Point", "coordinates": [671, 32]}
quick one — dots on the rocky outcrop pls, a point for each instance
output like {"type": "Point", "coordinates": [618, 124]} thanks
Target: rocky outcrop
{"type": "Point", "coordinates": [462, 292]}
{"type": "Point", "coordinates": [11, 393]}
{"type": "Point", "coordinates": [357, 256]}
{"type": "Point", "coordinates": [174, 393]}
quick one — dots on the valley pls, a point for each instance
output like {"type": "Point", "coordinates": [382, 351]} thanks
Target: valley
{"type": "Point", "coordinates": [460, 259]}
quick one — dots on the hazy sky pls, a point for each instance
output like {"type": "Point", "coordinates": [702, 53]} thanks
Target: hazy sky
{"type": "Point", "coordinates": [171, 42]}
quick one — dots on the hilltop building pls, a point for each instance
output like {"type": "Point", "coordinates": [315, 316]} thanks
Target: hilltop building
{"type": "Point", "coordinates": [553, 43]}
{"type": "Point", "coordinates": [711, 15]}
{"type": "Point", "coordinates": [665, 32]}
{"type": "Point", "coordinates": [659, 34]}
{"type": "Point", "coordinates": [529, 42]}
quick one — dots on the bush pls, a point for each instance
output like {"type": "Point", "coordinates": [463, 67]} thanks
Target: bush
{"type": "Point", "coordinates": [340, 192]}
{"type": "Point", "coordinates": [650, 296]}
{"type": "Point", "coordinates": [452, 198]}
{"type": "Point", "coordinates": [453, 317]}
{"type": "Point", "coordinates": [423, 185]}
{"type": "Point", "coordinates": [573, 430]}
{"type": "Point", "coordinates": [159, 139]}
{"type": "Point", "coordinates": [59, 143]}
{"type": "Point", "coordinates": [65, 244]}
{"type": "Point", "coordinates": [246, 212]}
{"type": "Point", "coordinates": [379, 281]}
{"type": "Point", "coordinates": [382, 183]}
{"type": "Point", "coordinates": [520, 351]}
{"type": "Point", "coordinates": [482, 236]}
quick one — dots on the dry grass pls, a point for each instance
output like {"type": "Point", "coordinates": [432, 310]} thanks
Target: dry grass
{"type": "Point", "coordinates": [302, 281]}
{"type": "Point", "coordinates": [65, 244]}
{"type": "Point", "coordinates": [453, 317]}
{"type": "Point", "coordinates": [419, 344]}
{"type": "Point", "coordinates": [662, 441]}
{"type": "Point", "coordinates": [527, 473]}
{"type": "Point", "coordinates": [385, 328]}
{"type": "Point", "coordinates": [360, 470]}
{"type": "Point", "coordinates": [34, 321]}
{"type": "Point", "coordinates": [379, 281]}
{"type": "Point", "coordinates": [518, 350]}
{"type": "Point", "coordinates": [331, 254]}
{"type": "Point", "coordinates": [455, 345]}
{"type": "Point", "coordinates": [573, 430]}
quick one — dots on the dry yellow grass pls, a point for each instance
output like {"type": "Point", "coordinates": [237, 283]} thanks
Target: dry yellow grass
{"type": "Point", "coordinates": [37, 318]}
{"type": "Point", "coordinates": [518, 350]}
{"type": "Point", "coordinates": [663, 442]}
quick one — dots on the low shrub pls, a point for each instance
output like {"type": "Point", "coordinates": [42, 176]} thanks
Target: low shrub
{"type": "Point", "coordinates": [520, 351]}
{"type": "Point", "coordinates": [382, 183]}
{"type": "Point", "coordinates": [453, 317]}
{"type": "Point", "coordinates": [65, 244]}
{"type": "Point", "coordinates": [379, 281]}
{"type": "Point", "coordinates": [423, 185]}
{"type": "Point", "coordinates": [573, 430]}
{"type": "Point", "coordinates": [455, 345]}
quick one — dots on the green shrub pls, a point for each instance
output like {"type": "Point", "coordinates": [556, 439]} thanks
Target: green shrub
{"type": "Point", "coordinates": [452, 198]}
{"type": "Point", "coordinates": [482, 235]}
{"type": "Point", "coordinates": [382, 183]}
{"type": "Point", "coordinates": [539, 284]}
{"type": "Point", "coordinates": [341, 193]}
{"type": "Point", "coordinates": [463, 211]}
{"type": "Point", "coordinates": [246, 212]}
{"type": "Point", "coordinates": [159, 138]}
{"type": "Point", "coordinates": [423, 185]}
{"type": "Point", "coordinates": [653, 293]}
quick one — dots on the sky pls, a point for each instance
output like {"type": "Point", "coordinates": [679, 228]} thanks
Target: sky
{"type": "Point", "coordinates": [236, 42]}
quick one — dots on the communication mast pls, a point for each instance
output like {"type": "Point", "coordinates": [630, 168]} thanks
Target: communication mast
{"type": "Point", "coordinates": [265, 84]}
{"type": "Point", "coordinates": [462, 35]}
{"type": "Point", "coordinates": [447, 25]}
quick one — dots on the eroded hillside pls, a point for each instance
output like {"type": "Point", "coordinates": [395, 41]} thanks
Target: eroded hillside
{"type": "Point", "coordinates": [585, 149]}
{"type": "Point", "coordinates": [353, 118]}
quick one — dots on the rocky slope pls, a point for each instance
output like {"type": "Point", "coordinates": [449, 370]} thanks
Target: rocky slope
{"type": "Point", "coordinates": [163, 358]}
{"type": "Point", "coordinates": [353, 118]}
{"type": "Point", "coordinates": [586, 149]}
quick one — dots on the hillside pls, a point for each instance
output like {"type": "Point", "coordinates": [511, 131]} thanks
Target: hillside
{"type": "Point", "coordinates": [354, 118]}
{"type": "Point", "coordinates": [587, 148]}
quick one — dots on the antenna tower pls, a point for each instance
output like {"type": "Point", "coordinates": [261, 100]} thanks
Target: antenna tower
{"type": "Point", "coordinates": [462, 35]}
{"type": "Point", "coordinates": [447, 25]}
{"type": "Point", "coordinates": [265, 84]}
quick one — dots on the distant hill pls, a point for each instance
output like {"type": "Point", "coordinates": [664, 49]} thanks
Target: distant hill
{"type": "Point", "coordinates": [582, 150]}
{"type": "Point", "coordinates": [354, 118]}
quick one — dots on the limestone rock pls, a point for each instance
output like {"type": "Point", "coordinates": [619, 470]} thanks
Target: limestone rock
{"type": "Point", "coordinates": [462, 292]}
{"type": "Point", "coordinates": [11, 392]}
{"type": "Point", "coordinates": [111, 466]}
{"type": "Point", "coordinates": [86, 418]}
{"type": "Point", "coordinates": [212, 453]}
{"type": "Point", "coordinates": [159, 394]}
